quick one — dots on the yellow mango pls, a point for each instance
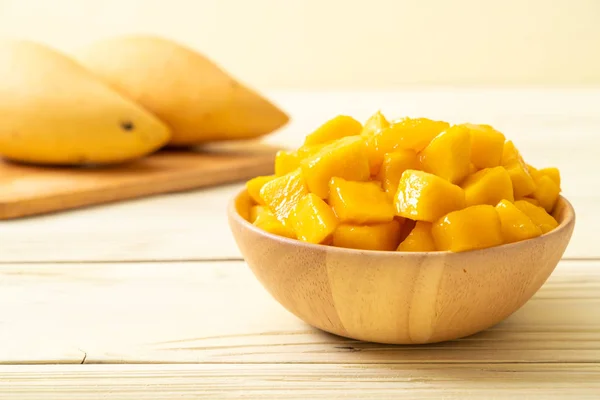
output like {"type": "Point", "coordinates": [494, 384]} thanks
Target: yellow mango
{"type": "Point", "coordinates": [448, 154]}
{"type": "Point", "coordinates": [510, 154]}
{"type": "Point", "coordinates": [314, 221]}
{"type": "Point", "coordinates": [254, 185]}
{"type": "Point", "coordinates": [375, 123]}
{"type": "Point", "coordinates": [286, 161]}
{"type": "Point", "coordinates": [419, 238]}
{"type": "Point", "coordinates": [538, 215]}
{"type": "Point", "coordinates": [283, 193]}
{"type": "Point", "coordinates": [472, 228]}
{"type": "Point", "coordinates": [552, 173]}
{"type": "Point", "coordinates": [268, 222]}
{"type": "Point", "coordinates": [255, 211]}
{"type": "Point", "coordinates": [345, 158]}
{"type": "Point", "coordinates": [522, 181]}
{"type": "Point", "coordinates": [405, 134]}
{"type": "Point", "coordinates": [394, 164]}
{"type": "Point", "coordinates": [384, 236]}
{"type": "Point", "coordinates": [488, 186]}
{"type": "Point", "coordinates": [336, 128]}
{"type": "Point", "coordinates": [487, 145]}
{"type": "Point", "coordinates": [515, 224]}
{"type": "Point", "coordinates": [426, 197]}
{"type": "Point", "coordinates": [546, 192]}
{"type": "Point", "coordinates": [530, 200]}
{"type": "Point", "coordinates": [359, 202]}
{"type": "Point", "coordinates": [472, 169]}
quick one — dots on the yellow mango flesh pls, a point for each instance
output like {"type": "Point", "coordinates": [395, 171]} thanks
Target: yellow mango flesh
{"type": "Point", "coordinates": [515, 224]}
{"type": "Point", "coordinates": [510, 153]}
{"type": "Point", "coordinates": [314, 221]}
{"type": "Point", "coordinates": [255, 210]}
{"type": "Point", "coordinates": [375, 123]}
{"type": "Point", "coordinates": [359, 202]}
{"type": "Point", "coordinates": [384, 236]}
{"type": "Point", "coordinates": [530, 200]}
{"type": "Point", "coordinates": [336, 128]}
{"type": "Point", "coordinates": [345, 158]}
{"type": "Point", "coordinates": [394, 164]}
{"type": "Point", "coordinates": [522, 181]}
{"type": "Point", "coordinates": [552, 173]}
{"type": "Point", "coordinates": [286, 162]}
{"type": "Point", "coordinates": [487, 145]}
{"type": "Point", "coordinates": [488, 186]}
{"type": "Point", "coordinates": [283, 193]}
{"type": "Point", "coordinates": [268, 222]}
{"type": "Point", "coordinates": [546, 192]}
{"type": "Point", "coordinates": [538, 215]}
{"type": "Point", "coordinates": [475, 227]}
{"type": "Point", "coordinates": [254, 185]}
{"type": "Point", "coordinates": [447, 155]}
{"type": "Point", "coordinates": [423, 196]}
{"type": "Point", "coordinates": [406, 134]}
{"type": "Point", "coordinates": [419, 239]}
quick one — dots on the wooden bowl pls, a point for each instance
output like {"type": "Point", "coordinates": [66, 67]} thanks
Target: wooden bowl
{"type": "Point", "coordinates": [394, 297]}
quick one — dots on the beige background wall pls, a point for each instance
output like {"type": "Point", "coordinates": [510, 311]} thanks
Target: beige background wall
{"type": "Point", "coordinates": [346, 43]}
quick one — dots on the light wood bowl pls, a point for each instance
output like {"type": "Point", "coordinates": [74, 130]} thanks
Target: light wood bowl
{"type": "Point", "coordinates": [394, 297]}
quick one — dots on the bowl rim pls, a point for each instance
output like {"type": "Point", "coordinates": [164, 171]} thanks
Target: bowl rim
{"type": "Point", "coordinates": [235, 215]}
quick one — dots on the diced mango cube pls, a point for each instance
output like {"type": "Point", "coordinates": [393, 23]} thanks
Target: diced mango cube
{"type": "Point", "coordinates": [472, 169]}
{"type": "Point", "coordinates": [375, 123]}
{"type": "Point", "coordinates": [336, 128]}
{"type": "Point", "coordinates": [268, 222]}
{"type": "Point", "coordinates": [448, 154]}
{"type": "Point", "coordinates": [254, 211]}
{"type": "Point", "coordinates": [419, 238]}
{"type": "Point", "coordinates": [552, 173]}
{"type": "Point", "coordinates": [283, 193]}
{"type": "Point", "coordinates": [254, 185]}
{"type": "Point", "coordinates": [359, 202]}
{"type": "Point", "coordinates": [546, 192]}
{"type": "Point", "coordinates": [394, 164]}
{"type": "Point", "coordinates": [510, 154]}
{"type": "Point", "coordinates": [531, 200]}
{"type": "Point", "coordinates": [515, 224]}
{"type": "Point", "coordinates": [286, 162]}
{"type": "Point", "coordinates": [384, 236]}
{"type": "Point", "coordinates": [472, 228]}
{"type": "Point", "coordinates": [345, 158]}
{"type": "Point", "coordinates": [487, 145]}
{"type": "Point", "coordinates": [522, 181]}
{"type": "Point", "coordinates": [538, 215]}
{"type": "Point", "coordinates": [488, 186]}
{"type": "Point", "coordinates": [426, 197]}
{"type": "Point", "coordinates": [314, 221]}
{"type": "Point", "coordinates": [405, 134]}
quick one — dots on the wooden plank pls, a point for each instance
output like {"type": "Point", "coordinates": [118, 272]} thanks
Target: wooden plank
{"type": "Point", "coordinates": [216, 312]}
{"type": "Point", "coordinates": [550, 127]}
{"type": "Point", "coordinates": [293, 381]}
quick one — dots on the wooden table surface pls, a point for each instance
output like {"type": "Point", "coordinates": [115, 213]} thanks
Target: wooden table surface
{"type": "Point", "coordinates": [150, 298]}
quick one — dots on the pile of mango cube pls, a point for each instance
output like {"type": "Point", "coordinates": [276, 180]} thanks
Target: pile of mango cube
{"type": "Point", "coordinates": [414, 184]}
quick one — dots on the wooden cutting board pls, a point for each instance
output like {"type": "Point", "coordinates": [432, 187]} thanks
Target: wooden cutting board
{"type": "Point", "coordinates": [30, 190]}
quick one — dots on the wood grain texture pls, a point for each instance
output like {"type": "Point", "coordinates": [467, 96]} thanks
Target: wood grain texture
{"type": "Point", "coordinates": [31, 190]}
{"type": "Point", "coordinates": [217, 312]}
{"type": "Point", "coordinates": [293, 381]}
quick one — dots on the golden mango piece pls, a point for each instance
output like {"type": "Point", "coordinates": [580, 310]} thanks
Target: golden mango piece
{"type": "Point", "coordinates": [448, 154]}
{"type": "Point", "coordinates": [487, 145]}
{"type": "Point", "coordinates": [515, 224]}
{"type": "Point", "coordinates": [522, 181]}
{"type": "Point", "coordinates": [345, 158]}
{"type": "Point", "coordinates": [510, 154]}
{"type": "Point", "coordinates": [359, 202]}
{"type": "Point", "coordinates": [255, 211]}
{"type": "Point", "coordinates": [426, 197]}
{"type": "Point", "coordinates": [472, 169]}
{"type": "Point", "coordinates": [254, 185]}
{"type": "Point", "coordinates": [538, 215]}
{"type": "Point", "coordinates": [419, 239]}
{"type": "Point", "coordinates": [546, 192]}
{"type": "Point", "coordinates": [394, 164]}
{"type": "Point", "coordinates": [314, 221]}
{"type": "Point", "coordinates": [530, 200]}
{"type": "Point", "coordinates": [488, 186]}
{"type": "Point", "coordinates": [475, 227]}
{"type": "Point", "coordinates": [375, 123]}
{"type": "Point", "coordinates": [384, 236]}
{"type": "Point", "coordinates": [336, 128]}
{"type": "Point", "coordinates": [268, 222]}
{"type": "Point", "coordinates": [552, 173]}
{"type": "Point", "coordinates": [405, 134]}
{"type": "Point", "coordinates": [283, 193]}
{"type": "Point", "coordinates": [286, 162]}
